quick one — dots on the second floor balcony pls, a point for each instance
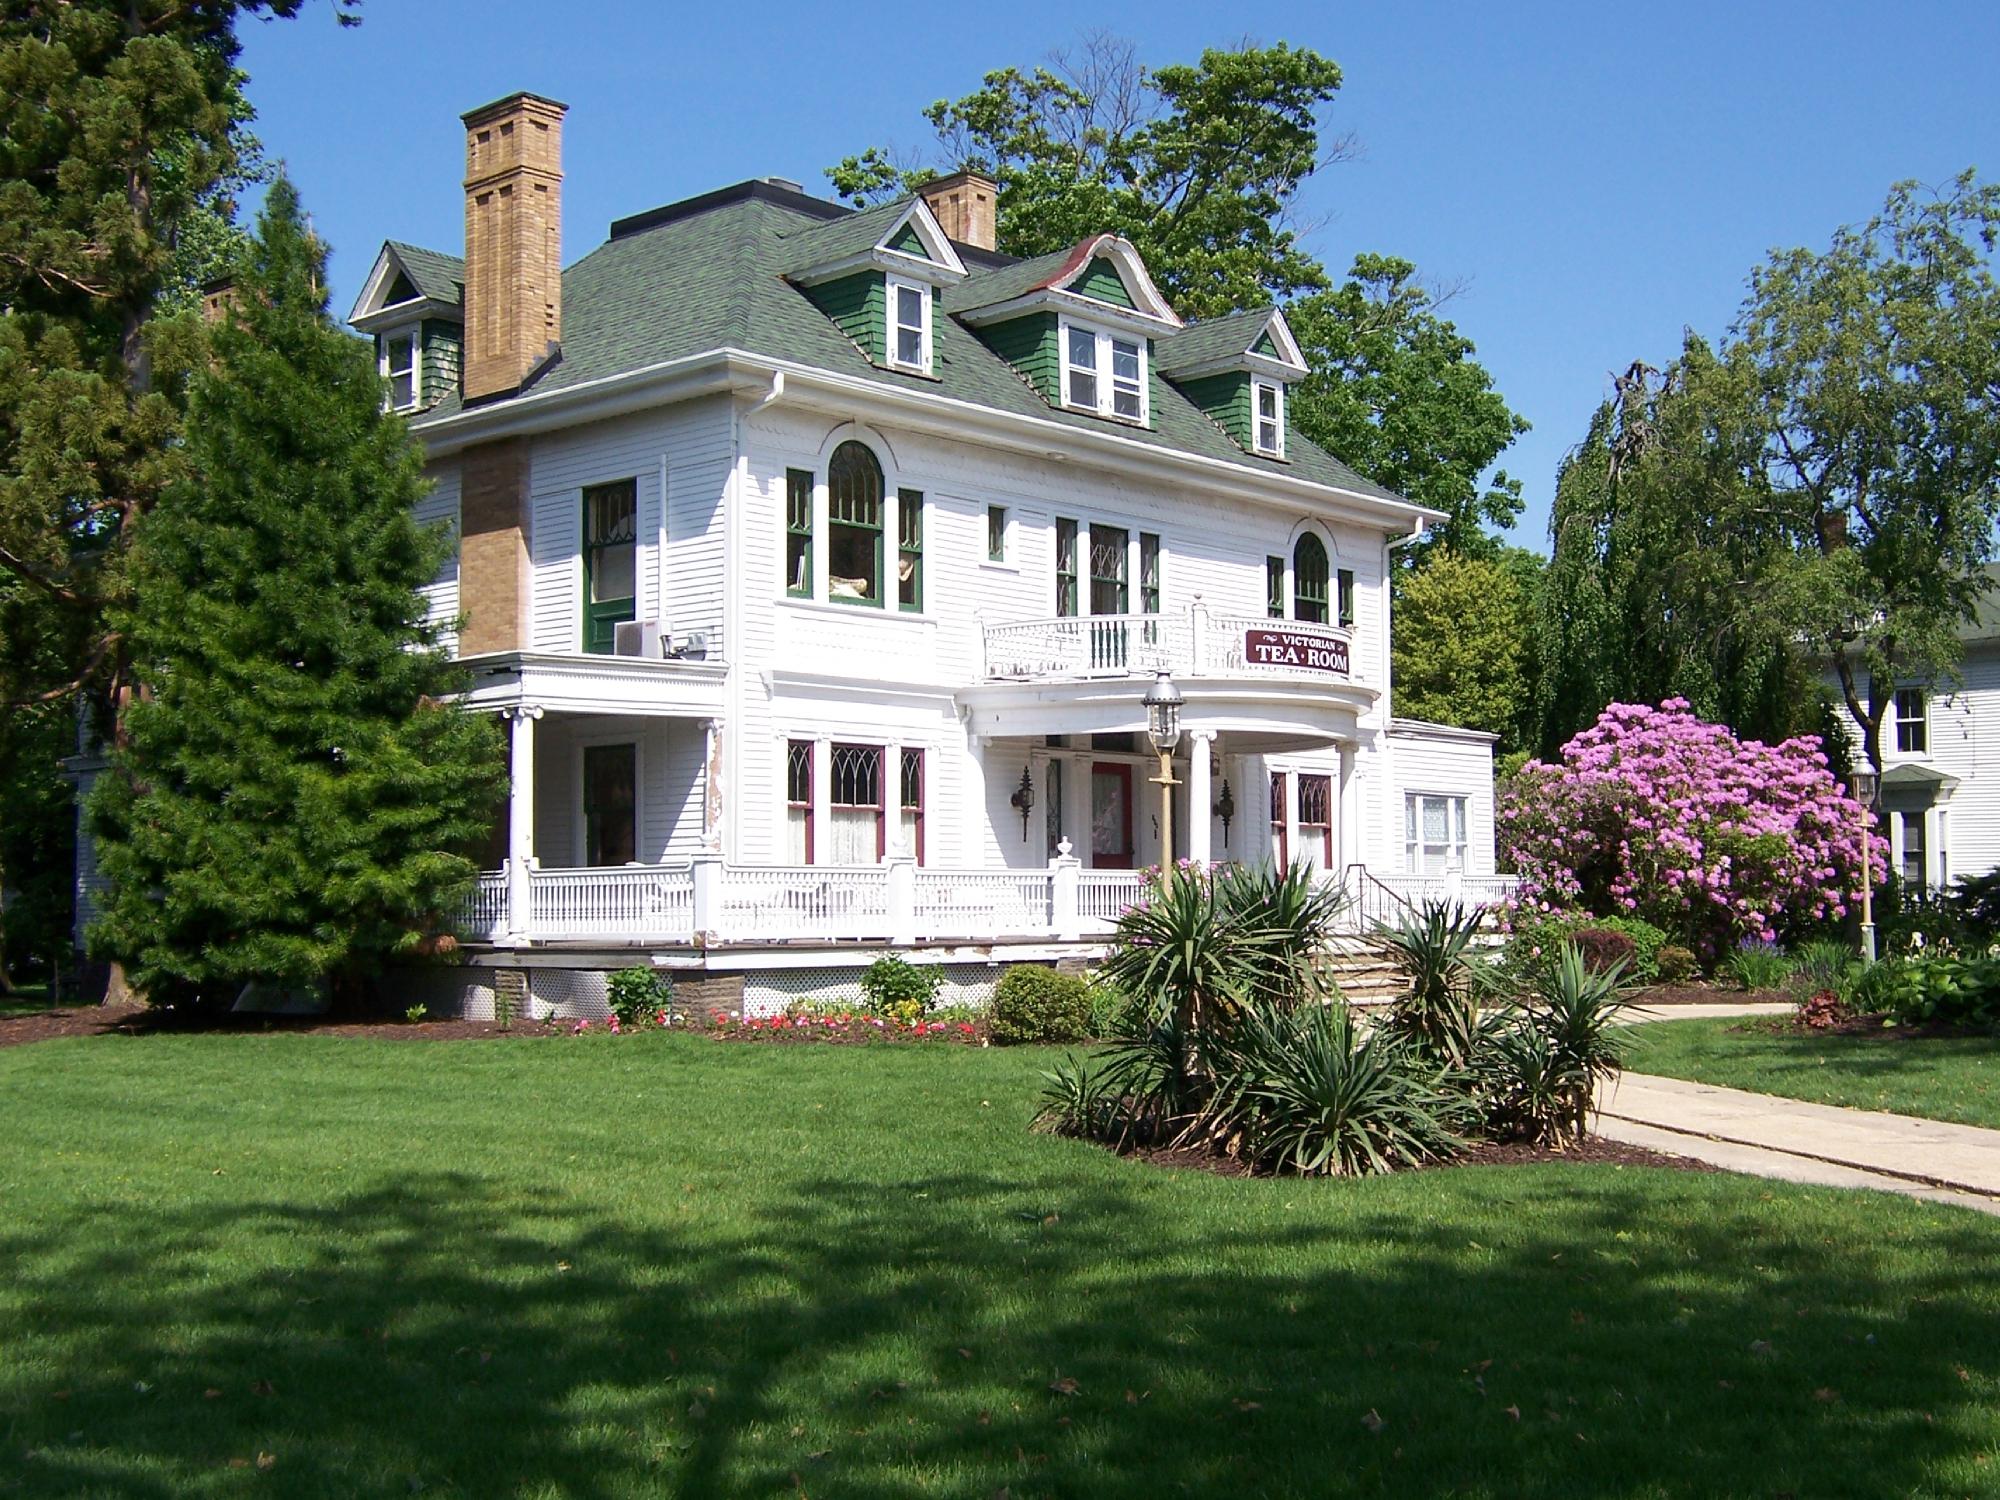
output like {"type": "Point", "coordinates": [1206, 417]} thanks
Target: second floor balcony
{"type": "Point", "coordinates": [1194, 643]}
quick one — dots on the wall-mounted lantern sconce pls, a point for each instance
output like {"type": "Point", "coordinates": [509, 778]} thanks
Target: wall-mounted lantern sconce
{"type": "Point", "coordinates": [1023, 800]}
{"type": "Point", "coordinates": [1225, 809]}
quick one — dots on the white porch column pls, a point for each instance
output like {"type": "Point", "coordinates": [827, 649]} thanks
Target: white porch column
{"type": "Point", "coordinates": [1347, 837]}
{"type": "Point", "coordinates": [902, 877]}
{"type": "Point", "coordinates": [521, 817]}
{"type": "Point", "coordinates": [1201, 799]}
{"type": "Point", "coordinates": [1063, 892]}
{"type": "Point", "coordinates": [713, 826]}
{"type": "Point", "coordinates": [705, 869]}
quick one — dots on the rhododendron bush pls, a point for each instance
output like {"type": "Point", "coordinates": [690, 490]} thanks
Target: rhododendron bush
{"type": "Point", "coordinates": [1654, 813]}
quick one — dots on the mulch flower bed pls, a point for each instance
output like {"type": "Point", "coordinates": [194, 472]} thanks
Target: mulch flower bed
{"type": "Point", "coordinates": [848, 1030]}
{"type": "Point", "coordinates": [1594, 1152]}
{"type": "Point", "coordinates": [1706, 994]}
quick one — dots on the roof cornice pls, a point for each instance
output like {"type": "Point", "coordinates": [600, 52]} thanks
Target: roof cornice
{"type": "Point", "coordinates": [779, 381]}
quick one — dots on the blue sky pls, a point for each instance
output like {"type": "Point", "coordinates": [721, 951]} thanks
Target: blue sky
{"type": "Point", "coordinates": [1592, 179]}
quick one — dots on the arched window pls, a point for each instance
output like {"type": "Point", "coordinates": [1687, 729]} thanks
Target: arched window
{"type": "Point", "coordinates": [854, 526]}
{"type": "Point", "coordinates": [1309, 580]}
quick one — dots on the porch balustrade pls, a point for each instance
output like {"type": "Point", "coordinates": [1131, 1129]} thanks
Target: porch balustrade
{"type": "Point", "coordinates": [894, 902]}
{"type": "Point", "coordinates": [1194, 643]}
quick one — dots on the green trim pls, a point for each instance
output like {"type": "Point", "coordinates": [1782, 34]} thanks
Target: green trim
{"type": "Point", "coordinates": [1100, 279]}
{"type": "Point", "coordinates": [910, 547]}
{"type": "Point", "coordinates": [1274, 587]}
{"type": "Point", "coordinates": [1266, 346]}
{"type": "Point", "coordinates": [798, 574]}
{"type": "Point", "coordinates": [859, 306]}
{"type": "Point", "coordinates": [1309, 580]}
{"type": "Point", "coordinates": [602, 617]}
{"type": "Point", "coordinates": [1029, 344]}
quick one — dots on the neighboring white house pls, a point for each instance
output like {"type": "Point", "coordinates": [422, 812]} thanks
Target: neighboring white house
{"type": "Point", "coordinates": [1940, 795]}
{"type": "Point", "coordinates": [818, 561]}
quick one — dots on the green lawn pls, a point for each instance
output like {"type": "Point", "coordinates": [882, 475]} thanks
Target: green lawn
{"type": "Point", "coordinates": [26, 1000]}
{"type": "Point", "coordinates": [1941, 1078]}
{"type": "Point", "coordinates": [668, 1266]}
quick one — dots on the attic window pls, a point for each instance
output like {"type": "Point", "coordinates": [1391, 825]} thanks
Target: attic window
{"type": "Point", "coordinates": [1268, 402]}
{"type": "Point", "coordinates": [909, 325]}
{"type": "Point", "coordinates": [1103, 372]}
{"type": "Point", "coordinates": [397, 358]}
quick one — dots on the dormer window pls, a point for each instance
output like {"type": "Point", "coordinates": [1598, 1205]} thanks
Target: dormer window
{"type": "Point", "coordinates": [398, 362]}
{"type": "Point", "coordinates": [909, 339]}
{"type": "Point", "coordinates": [1104, 373]}
{"type": "Point", "coordinates": [1268, 400]}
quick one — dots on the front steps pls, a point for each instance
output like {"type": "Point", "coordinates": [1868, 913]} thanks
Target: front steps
{"type": "Point", "coordinates": [1362, 969]}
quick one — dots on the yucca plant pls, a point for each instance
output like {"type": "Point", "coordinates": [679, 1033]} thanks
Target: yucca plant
{"type": "Point", "coordinates": [1444, 976]}
{"type": "Point", "coordinates": [1305, 1090]}
{"type": "Point", "coordinates": [1151, 1077]}
{"type": "Point", "coordinates": [1076, 1100]}
{"type": "Point", "coordinates": [1283, 920]}
{"type": "Point", "coordinates": [1578, 1014]}
{"type": "Point", "coordinates": [1531, 1085]}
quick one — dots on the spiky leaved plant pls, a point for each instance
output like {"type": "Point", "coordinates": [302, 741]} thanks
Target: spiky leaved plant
{"type": "Point", "coordinates": [1444, 978]}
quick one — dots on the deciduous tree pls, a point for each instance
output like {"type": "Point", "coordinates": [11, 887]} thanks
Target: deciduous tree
{"type": "Point", "coordinates": [1460, 624]}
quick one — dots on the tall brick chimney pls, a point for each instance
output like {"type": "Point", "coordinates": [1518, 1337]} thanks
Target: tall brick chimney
{"type": "Point", "coordinates": [513, 240]}
{"type": "Point", "coordinates": [966, 206]}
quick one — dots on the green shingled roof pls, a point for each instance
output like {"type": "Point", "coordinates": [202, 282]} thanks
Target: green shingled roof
{"type": "Point", "coordinates": [1008, 282]}
{"type": "Point", "coordinates": [1210, 342]}
{"type": "Point", "coordinates": [668, 287]}
{"type": "Point", "coordinates": [437, 276]}
{"type": "Point", "coordinates": [830, 240]}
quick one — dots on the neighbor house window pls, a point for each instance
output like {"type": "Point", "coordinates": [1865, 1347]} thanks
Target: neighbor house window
{"type": "Point", "coordinates": [1066, 538]}
{"type": "Point", "coordinates": [1912, 721]}
{"type": "Point", "coordinates": [1316, 820]}
{"type": "Point", "coordinates": [854, 823]}
{"type": "Point", "coordinates": [1309, 580]}
{"type": "Point", "coordinates": [912, 803]}
{"type": "Point", "coordinates": [1269, 399]}
{"type": "Point", "coordinates": [799, 533]}
{"type": "Point", "coordinates": [996, 533]}
{"type": "Point", "coordinates": [909, 326]}
{"type": "Point", "coordinates": [399, 368]}
{"type": "Point", "coordinates": [610, 804]}
{"type": "Point", "coordinates": [1281, 844]}
{"type": "Point", "coordinates": [1104, 373]}
{"type": "Point", "coordinates": [1109, 562]}
{"type": "Point", "coordinates": [854, 495]}
{"type": "Point", "coordinates": [1344, 581]}
{"type": "Point", "coordinates": [1433, 833]}
{"type": "Point", "coordinates": [909, 549]}
{"type": "Point", "coordinates": [799, 802]}
{"type": "Point", "coordinates": [610, 560]}
{"type": "Point", "coordinates": [1274, 587]}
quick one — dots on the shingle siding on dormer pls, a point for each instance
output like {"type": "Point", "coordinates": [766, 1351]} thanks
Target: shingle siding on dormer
{"type": "Point", "coordinates": [443, 360]}
{"type": "Point", "coordinates": [1100, 279]}
{"type": "Point", "coordinates": [1029, 345]}
{"type": "Point", "coordinates": [858, 305]}
{"type": "Point", "coordinates": [1226, 398]}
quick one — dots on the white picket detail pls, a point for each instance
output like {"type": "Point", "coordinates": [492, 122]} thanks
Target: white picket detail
{"type": "Point", "coordinates": [651, 902]}
{"type": "Point", "coordinates": [983, 903]}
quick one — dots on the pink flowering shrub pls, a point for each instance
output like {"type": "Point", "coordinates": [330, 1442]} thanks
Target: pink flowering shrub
{"type": "Point", "coordinates": [1657, 814]}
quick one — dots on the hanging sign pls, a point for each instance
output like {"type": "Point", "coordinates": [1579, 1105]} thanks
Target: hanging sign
{"type": "Point", "coordinates": [1296, 650]}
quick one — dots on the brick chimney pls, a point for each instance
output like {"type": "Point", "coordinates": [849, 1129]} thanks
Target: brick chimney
{"type": "Point", "coordinates": [965, 204]}
{"type": "Point", "coordinates": [513, 240]}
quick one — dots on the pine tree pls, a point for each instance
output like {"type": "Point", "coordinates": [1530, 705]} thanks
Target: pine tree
{"type": "Point", "coordinates": [294, 780]}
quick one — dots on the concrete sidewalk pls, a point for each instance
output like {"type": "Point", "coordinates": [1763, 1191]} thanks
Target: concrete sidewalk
{"type": "Point", "coordinates": [1798, 1142]}
{"type": "Point", "coordinates": [1709, 1010]}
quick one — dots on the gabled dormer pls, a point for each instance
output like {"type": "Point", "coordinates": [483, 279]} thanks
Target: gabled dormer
{"type": "Point", "coordinates": [1079, 325]}
{"type": "Point", "coordinates": [877, 274]}
{"type": "Point", "coordinates": [413, 306]}
{"type": "Point", "coordinates": [1239, 368]}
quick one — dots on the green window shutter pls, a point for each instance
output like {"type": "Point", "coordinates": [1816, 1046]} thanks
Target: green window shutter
{"type": "Point", "coordinates": [859, 306]}
{"type": "Point", "coordinates": [1149, 573]}
{"type": "Point", "coordinates": [910, 550]}
{"type": "Point", "coordinates": [799, 533]}
{"type": "Point", "coordinates": [1100, 279]}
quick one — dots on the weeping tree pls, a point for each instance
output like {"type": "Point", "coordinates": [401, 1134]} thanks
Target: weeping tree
{"type": "Point", "coordinates": [295, 782]}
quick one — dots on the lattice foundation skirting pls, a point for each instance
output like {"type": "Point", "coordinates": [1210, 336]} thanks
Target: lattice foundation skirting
{"type": "Point", "coordinates": [770, 992]}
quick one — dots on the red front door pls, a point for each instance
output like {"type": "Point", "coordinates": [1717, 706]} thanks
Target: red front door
{"type": "Point", "coordinates": [1110, 816]}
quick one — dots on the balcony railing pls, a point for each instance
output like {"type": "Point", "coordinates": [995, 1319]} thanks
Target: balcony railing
{"type": "Point", "coordinates": [1194, 643]}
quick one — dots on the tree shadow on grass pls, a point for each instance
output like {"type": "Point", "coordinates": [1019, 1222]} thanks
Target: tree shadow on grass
{"type": "Point", "coordinates": [1524, 1333]}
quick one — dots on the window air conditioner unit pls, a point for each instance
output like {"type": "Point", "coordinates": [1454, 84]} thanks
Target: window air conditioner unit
{"type": "Point", "coordinates": [639, 638]}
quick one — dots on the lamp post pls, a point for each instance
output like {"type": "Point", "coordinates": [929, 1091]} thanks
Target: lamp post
{"type": "Point", "coordinates": [1163, 728]}
{"type": "Point", "coordinates": [1866, 785]}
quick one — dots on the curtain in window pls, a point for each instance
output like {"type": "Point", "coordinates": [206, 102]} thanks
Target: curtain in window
{"type": "Point", "coordinates": [798, 802]}
{"type": "Point", "coordinates": [854, 526]}
{"type": "Point", "coordinates": [854, 821]}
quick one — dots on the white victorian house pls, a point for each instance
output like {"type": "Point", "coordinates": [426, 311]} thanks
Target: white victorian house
{"type": "Point", "coordinates": [819, 561]}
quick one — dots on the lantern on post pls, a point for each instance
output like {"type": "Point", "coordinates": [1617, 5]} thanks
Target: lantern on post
{"type": "Point", "coordinates": [1163, 727]}
{"type": "Point", "coordinates": [1867, 786]}
{"type": "Point", "coordinates": [1023, 800]}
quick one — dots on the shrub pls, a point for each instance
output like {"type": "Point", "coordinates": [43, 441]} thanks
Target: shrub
{"type": "Point", "coordinates": [1656, 814]}
{"type": "Point", "coordinates": [1308, 1093]}
{"type": "Point", "coordinates": [1112, 1011]}
{"type": "Point", "coordinates": [639, 996]}
{"type": "Point", "coordinates": [1675, 964]}
{"type": "Point", "coordinates": [1758, 966]}
{"type": "Point", "coordinates": [1535, 939]}
{"type": "Point", "coordinates": [1034, 1004]}
{"type": "Point", "coordinates": [1604, 948]}
{"type": "Point", "coordinates": [1443, 976]}
{"type": "Point", "coordinates": [1820, 1011]}
{"type": "Point", "coordinates": [900, 990]}
{"type": "Point", "coordinates": [1943, 991]}
{"type": "Point", "coordinates": [1548, 1079]}
{"type": "Point", "coordinates": [1824, 964]}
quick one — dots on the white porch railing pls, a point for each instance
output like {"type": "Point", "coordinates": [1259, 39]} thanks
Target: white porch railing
{"type": "Point", "coordinates": [895, 902]}
{"type": "Point", "coordinates": [1195, 643]}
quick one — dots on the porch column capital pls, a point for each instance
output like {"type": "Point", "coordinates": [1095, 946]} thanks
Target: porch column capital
{"type": "Point", "coordinates": [519, 711]}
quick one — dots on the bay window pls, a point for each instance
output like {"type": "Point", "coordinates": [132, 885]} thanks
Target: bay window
{"type": "Point", "coordinates": [799, 533]}
{"type": "Point", "coordinates": [1345, 597]}
{"type": "Point", "coordinates": [1281, 843]}
{"type": "Point", "coordinates": [1274, 587]}
{"type": "Point", "coordinates": [1316, 820]}
{"type": "Point", "coordinates": [1434, 834]}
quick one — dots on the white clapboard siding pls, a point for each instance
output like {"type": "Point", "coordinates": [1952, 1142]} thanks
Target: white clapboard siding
{"type": "Point", "coordinates": [439, 508]}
